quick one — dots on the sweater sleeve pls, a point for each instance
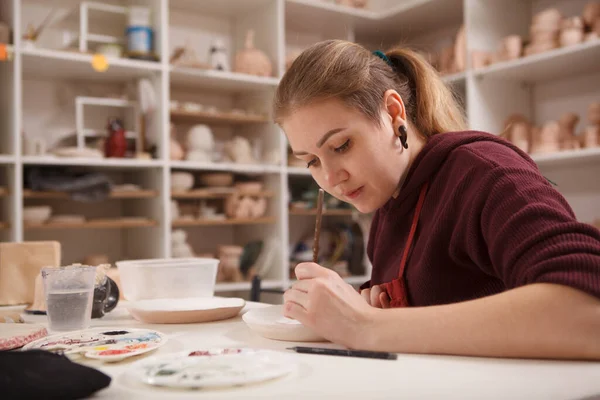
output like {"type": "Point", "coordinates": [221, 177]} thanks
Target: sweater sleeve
{"type": "Point", "coordinates": [531, 234]}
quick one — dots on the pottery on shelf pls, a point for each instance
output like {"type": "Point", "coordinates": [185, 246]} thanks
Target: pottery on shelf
{"type": "Point", "coordinates": [181, 181]}
{"type": "Point", "coordinates": [179, 245]}
{"type": "Point", "coordinates": [239, 150]}
{"type": "Point", "coordinates": [511, 47]}
{"type": "Point", "coordinates": [245, 206]}
{"type": "Point", "coordinates": [593, 114]}
{"type": "Point", "coordinates": [249, 187]}
{"type": "Point", "coordinates": [569, 140]}
{"type": "Point", "coordinates": [251, 60]}
{"type": "Point", "coordinates": [460, 50]}
{"type": "Point", "coordinates": [200, 143]}
{"type": "Point", "coordinates": [591, 14]}
{"type": "Point", "coordinates": [176, 152]}
{"type": "Point", "coordinates": [36, 214]}
{"type": "Point", "coordinates": [290, 58]}
{"type": "Point", "coordinates": [219, 59]}
{"type": "Point", "coordinates": [96, 259]}
{"type": "Point", "coordinates": [480, 59]}
{"type": "Point", "coordinates": [229, 266]}
{"type": "Point", "coordinates": [591, 137]}
{"type": "Point", "coordinates": [549, 138]}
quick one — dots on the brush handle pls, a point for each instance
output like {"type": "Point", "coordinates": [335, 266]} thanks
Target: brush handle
{"type": "Point", "coordinates": [318, 226]}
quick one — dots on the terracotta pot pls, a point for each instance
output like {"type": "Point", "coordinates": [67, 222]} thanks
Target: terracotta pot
{"type": "Point", "coordinates": [549, 138]}
{"type": "Point", "coordinates": [512, 46]}
{"type": "Point", "coordinates": [591, 13]}
{"type": "Point", "coordinates": [593, 114]}
{"type": "Point", "coordinates": [591, 136]}
{"type": "Point", "coordinates": [548, 18]}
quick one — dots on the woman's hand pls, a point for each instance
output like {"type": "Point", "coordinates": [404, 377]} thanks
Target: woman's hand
{"type": "Point", "coordinates": [376, 297]}
{"type": "Point", "coordinates": [322, 301]}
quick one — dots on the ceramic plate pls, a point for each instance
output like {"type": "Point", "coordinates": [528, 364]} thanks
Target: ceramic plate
{"type": "Point", "coordinates": [270, 323]}
{"type": "Point", "coordinates": [212, 368]}
{"type": "Point", "coordinates": [107, 344]}
{"type": "Point", "coordinates": [185, 311]}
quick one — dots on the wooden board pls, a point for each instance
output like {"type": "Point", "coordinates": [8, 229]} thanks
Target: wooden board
{"type": "Point", "coordinates": [137, 194]}
{"type": "Point", "coordinates": [217, 118]}
{"type": "Point", "coordinates": [231, 221]}
{"type": "Point", "coordinates": [96, 223]}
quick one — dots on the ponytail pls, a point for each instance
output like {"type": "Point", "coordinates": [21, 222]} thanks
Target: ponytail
{"type": "Point", "coordinates": [351, 73]}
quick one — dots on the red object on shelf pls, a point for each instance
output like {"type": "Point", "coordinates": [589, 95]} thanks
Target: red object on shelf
{"type": "Point", "coordinates": [116, 144]}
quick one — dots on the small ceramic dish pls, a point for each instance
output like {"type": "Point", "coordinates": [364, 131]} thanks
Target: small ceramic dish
{"type": "Point", "coordinates": [213, 368]}
{"type": "Point", "coordinates": [185, 310]}
{"type": "Point", "coordinates": [36, 214]}
{"type": "Point", "coordinates": [270, 323]}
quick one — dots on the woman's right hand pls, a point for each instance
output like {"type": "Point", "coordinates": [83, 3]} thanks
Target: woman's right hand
{"type": "Point", "coordinates": [376, 297]}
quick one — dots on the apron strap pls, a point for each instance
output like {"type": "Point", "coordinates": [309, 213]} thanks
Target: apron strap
{"type": "Point", "coordinates": [413, 228]}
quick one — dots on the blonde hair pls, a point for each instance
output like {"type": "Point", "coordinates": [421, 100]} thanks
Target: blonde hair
{"type": "Point", "coordinates": [351, 73]}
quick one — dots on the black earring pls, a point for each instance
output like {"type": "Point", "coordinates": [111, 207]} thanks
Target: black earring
{"type": "Point", "coordinates": [403, 136]}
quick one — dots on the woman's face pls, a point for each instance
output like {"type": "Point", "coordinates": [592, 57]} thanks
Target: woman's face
{"type": "Point", "coordinates": [348, 155]}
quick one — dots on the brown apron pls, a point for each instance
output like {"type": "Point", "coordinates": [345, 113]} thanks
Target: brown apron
{"type": "Point", "coordinates": [396, 289]}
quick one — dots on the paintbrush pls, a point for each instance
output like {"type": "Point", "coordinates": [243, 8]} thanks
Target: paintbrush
{"type": "Point", "coordinates": [318, 226]}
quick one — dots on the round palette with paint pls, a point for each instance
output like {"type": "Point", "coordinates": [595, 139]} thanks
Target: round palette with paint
{"type": "Point", "coordinates": [213, 368]}
{"type": "Point", "coordinates": [106, 344]}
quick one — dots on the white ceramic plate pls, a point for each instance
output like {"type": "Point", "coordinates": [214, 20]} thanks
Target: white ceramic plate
{"type": "Point", "coordinates": [185, 310]}
{"type": "Point", "coordinates": [270, 323]}
{"type": "Point", "coordinates": [213, 368]}
{"type": "Point", "coordinates": [107, 344]}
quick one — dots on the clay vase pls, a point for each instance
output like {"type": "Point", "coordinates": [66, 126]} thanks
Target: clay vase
{"type": "Point", "coordinates": [591, 137]}
{"type": "Point", "coordinates": [512, 47]}
{"type": "Point", "coordinates": [520, 136]}
{"type": "Point", "coordinates": [116, 144]}
{"type": "Point", "coordinates": [591, 13]}
{"type": "Point", "coordinates": [567, 124]}
{"type": "Point", "coordinates": [571, 31]}
{"type": "Point", "coordinates": [549, 138]}
{"type": "Point", "coordinates": [593, 114]}
{"type": "Point", "coordinates": [252, 61]}
{"type": "Point", "coordinates": [460, 50]}
{"type": "Point", "coordinates": [229, 266]}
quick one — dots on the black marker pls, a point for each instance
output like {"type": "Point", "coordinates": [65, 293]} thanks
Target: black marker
{"type": "Point", "coordinates": [347, 353]}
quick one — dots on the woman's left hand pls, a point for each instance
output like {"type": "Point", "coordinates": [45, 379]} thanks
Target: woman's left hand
{"type": "Point", "coordinates": [322, 301]}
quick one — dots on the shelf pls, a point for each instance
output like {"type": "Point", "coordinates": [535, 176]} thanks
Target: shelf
{"type": "Point", "coordinates": [583, 157]}
{"type": "Point", "coordinates": [230, 167]}
{"type": "Point", "coordinates": [92, 162]}
{"type": "Point", "coordinates": [216, 194]}
{"type": "Point", "coordinates": [94, 224]}
{"type": "Point", "coordinates": [6, 159]}
{"type": "Point", "coordinates": [233, 286]}
{"type": "Point", "coordinates": [219, 8]}
{"type": "Point", "coordinates": [409, 17]}
{"type": "Point", "coordinates": [342, 212]}
{"type": "Point", "coordinates": [458, 79]}
{"type": "Point", "coordinates": [559, 63]}
{"type": "Point", "coordinates": [56, 64]}
{"type": "Point", "coordinates": [298, 171]}
{"type": "Point", "coordinates": [217, 118]}
{"type": "Point", "coordinates": [138, 194]}
{"type": "Point", "coordinates": [232, 221]}
{"type": "Point", "coordinates": [220, 81]}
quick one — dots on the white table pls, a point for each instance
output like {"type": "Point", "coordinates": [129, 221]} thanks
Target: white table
{"type": "Point", "coordinates": [409, 377]}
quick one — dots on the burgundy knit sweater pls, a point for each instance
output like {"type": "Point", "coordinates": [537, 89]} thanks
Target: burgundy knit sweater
{"type": "Point", "coordinates": [490, 222]}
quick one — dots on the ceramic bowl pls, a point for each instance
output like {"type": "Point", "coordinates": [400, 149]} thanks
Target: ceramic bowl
{"type": "Point", "coordinates": [270, 323]}
{"type": "Point", "coordinates": [37, 214]}
{"type": "Point", "coordinates": [168, 278]}
{"type": "Point", "coordinates": [181, 181]}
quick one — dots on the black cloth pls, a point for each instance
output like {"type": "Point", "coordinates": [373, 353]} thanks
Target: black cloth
{"type": "Point", "coordinates": [39, 374]}
{"type": "Point", "coordinates": [82, 185]}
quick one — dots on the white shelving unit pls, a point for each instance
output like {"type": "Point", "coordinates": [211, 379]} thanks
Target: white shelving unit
{"type": "Point", "coordinates": [541, 87]}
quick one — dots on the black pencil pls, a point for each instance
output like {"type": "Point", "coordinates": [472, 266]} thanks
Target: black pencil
{"type": "Point", "coordinates": [345, 353]}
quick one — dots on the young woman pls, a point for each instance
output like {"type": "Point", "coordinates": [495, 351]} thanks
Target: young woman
{"type": "Point", "coordinates": [473, 251]}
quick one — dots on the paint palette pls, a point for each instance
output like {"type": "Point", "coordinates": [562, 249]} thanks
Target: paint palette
{"type": "Point", "coordinates": [213, 368]}
{"type": "Point", "coordinates": [106, 344]}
